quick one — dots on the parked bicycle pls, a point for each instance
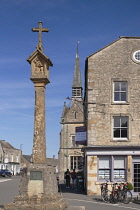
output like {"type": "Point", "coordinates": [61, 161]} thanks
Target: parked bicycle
{"type": "Point", "coordinates": [104, 191]}
{"type": "Point", "coordinates": [119, 193]}
{"type": "Point", "coordinates": [109, 195]}
{"type": "Point", "coordinates": [124, 194]}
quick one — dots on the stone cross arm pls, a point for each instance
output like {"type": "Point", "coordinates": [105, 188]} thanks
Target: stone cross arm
{"type": "Point", "coordinates": [42, 30]}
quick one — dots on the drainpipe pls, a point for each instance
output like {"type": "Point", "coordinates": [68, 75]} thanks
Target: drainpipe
{"type": "Point", "coordinates": [67, 146]}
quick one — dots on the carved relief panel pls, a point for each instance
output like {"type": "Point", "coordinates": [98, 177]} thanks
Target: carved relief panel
{"type": "Point", "coordinates": [39, 68]}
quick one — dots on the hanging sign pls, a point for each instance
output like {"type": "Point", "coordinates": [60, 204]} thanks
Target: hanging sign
{"type": "Point", "coordinates": [81, 135]}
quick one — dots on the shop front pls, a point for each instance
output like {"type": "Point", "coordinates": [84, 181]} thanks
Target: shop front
{"type": "Point", "coordinates": [112, 164]}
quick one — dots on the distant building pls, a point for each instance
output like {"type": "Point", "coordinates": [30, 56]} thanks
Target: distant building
{"type": "Point", "coordinates": [70, 155]}
{"type": "Point", "coordinates": [27, 159]}
{"type": "Point", "coordinates": [112, 95]}
{"type": "Point", "coordinates": [9, 157]}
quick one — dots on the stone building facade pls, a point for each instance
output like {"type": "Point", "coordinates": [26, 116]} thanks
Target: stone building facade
{"type": "Point", "coordinates": [70, 155]}
{"type": "Point", "coordinates": [10, 157]}
{"type": "Point", "coordinates": [112, 98]}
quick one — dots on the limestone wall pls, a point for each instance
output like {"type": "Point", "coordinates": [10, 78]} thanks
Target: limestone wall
{"type": "Point", "coordinates": [113, 63]}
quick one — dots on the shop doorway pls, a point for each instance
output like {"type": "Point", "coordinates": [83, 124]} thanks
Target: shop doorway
{"type": "Point", "coordinates": [136, 177]}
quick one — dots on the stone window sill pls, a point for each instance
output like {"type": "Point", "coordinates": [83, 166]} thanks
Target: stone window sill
{"type": "Point", "coordinates": [120, 103]}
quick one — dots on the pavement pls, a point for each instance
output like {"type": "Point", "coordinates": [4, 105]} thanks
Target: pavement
{"type": "Point", "coordinates": [80, 194]}
{"type": "Point", "coordinates": [71, 193]}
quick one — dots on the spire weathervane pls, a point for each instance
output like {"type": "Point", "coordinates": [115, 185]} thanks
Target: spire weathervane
{"type": "Point", "coordinates": [40, 30]}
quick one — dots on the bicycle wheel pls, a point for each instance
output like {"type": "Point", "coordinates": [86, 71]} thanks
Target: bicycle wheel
{"type": "Point", "coordinates": [127, 197]}
{"type": "Point", "coordinates": [104, 195]}
{"type": "Point", "coordinates": [121, 195]}
{"type": "Point", "coordinates": [114, 198]}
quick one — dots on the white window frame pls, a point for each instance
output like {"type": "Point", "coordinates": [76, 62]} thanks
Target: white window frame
{"type": "Point", "coordinates": [12, 158]}
{"type": "Point", "coordinates": [17, 158]}
{"type": "Point", "coordinates": [120, 128]}
{"type": "Point", "coordinates": [120, 91]}
{"type": "Point", "coordinates": [134, 56]}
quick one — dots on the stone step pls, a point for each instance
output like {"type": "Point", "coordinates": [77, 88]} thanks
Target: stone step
{"type": "Point", "coordinates": [76, 208]}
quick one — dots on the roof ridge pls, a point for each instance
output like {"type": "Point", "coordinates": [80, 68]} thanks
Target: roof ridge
{"type": "Point", "coordinates": [120, 37]}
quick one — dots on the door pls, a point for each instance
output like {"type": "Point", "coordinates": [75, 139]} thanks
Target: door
{"type": "Point", "coordinates": [136, 179]}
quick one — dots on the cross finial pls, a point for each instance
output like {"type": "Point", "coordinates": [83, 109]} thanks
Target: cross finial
{"type": "Point", "coordinates": [40, 30]}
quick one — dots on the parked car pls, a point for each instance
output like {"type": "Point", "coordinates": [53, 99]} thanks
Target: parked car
{"type": "Point", "coordinates": [5, 173]}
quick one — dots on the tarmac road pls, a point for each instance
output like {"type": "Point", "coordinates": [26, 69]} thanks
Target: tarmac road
{"type": "Point", "coordinates": [8, 189]}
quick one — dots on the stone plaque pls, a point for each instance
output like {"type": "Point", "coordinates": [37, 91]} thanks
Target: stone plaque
{"type": "Point", "coordinates": [35, 175]}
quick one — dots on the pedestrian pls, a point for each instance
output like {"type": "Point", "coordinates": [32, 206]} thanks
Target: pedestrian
{"type": "Point", "coordinates": [67, 178]}
{"type": "Point", "coordinates": [74, 177]}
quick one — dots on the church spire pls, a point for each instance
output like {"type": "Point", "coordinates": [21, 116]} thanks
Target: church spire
{"type": "Point", "coordinates": [77, 82]}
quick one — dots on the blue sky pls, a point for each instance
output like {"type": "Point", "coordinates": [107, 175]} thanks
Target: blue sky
{"type": "Point", "coordinates": [95, 23]}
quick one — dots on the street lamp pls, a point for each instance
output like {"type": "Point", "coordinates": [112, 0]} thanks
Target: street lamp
{"type": "Point", "coordinates": [21, 148]}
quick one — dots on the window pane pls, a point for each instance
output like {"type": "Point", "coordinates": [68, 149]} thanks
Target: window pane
{"type": "Point", "coordinates": [124, 121]}
{"type": "Point", "coordinates": [123, 86]}
{"type": "Point", "coordinates": [80, 162]}
{"type": "Point", "coordinates": [116, 133]}
{"type": "Point", "coordinates": [123, 96]}
{"type": "Point", "coordinates": [103, 162]}
{"type": "Point", "coordinates": [104, 174]}
{"type": "Point", "coordinates": [116, 86]}
{"type": "Point", "coordinates": [119, 162]}
{"type": "Point", "coordinates": [137, 55]}
{"type": "Point", "coordinates": [119, 175]}
{"type": "Point", "coordinates": [116, 122]}
{"type": "Point", "coordinates": [124, 133]}
{"type": "Point", "coordinates": [120, 91]}
{"type": "Point", "coordinates": [116, 96]}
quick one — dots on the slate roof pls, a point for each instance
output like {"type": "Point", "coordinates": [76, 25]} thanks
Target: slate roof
{"type": "Point", "coordinates": [27, 157]}
{"type": "Point", "coordinates": [5, 144]}
{"type": "Point", "coordinates": [50, 161]}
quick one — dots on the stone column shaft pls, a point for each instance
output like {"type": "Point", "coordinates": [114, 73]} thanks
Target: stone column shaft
{"type": "Point", "coordinates": [39, 142]}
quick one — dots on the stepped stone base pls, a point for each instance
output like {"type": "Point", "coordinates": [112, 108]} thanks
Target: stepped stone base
{"type": "Point", "coordinates": [38, 190]}
{"type": "Point", "coordinates": [24, 203]}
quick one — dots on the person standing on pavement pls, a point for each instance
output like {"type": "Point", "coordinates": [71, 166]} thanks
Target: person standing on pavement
{"type": "Point", "coordinates": [67, 177]}
{"type": "Point", "coordinates": [73, 176]}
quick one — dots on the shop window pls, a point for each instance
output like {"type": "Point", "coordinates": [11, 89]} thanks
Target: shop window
{"type": "Point", "coordinates": [112, 168]}
{"type": "Point", "coordinates": [119, 168]}
{"type": "Point", "coordinates": [104, 168]}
